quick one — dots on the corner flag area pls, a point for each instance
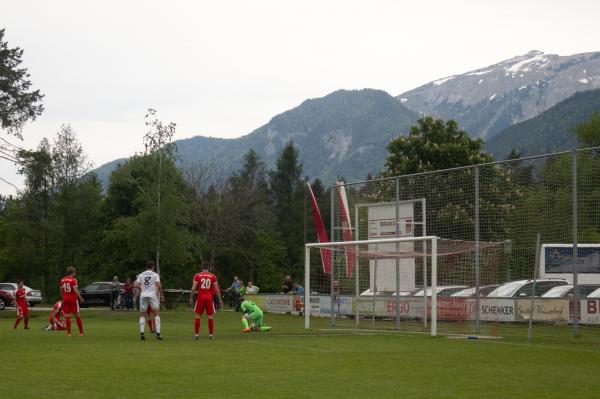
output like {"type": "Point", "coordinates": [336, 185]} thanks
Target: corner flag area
{"type": "Point", "coordinates": [111, 362]}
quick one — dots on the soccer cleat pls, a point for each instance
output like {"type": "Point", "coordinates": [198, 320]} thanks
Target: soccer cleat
{"type": "Point", "coordinates": [153, 331]}
{"type": "Point", "coordinates": [196, 336]}
{"type": "Point", "coordinates": [68, 335]}
{"type": "Point", "coordinates": [26, 328]}
{"type": "Point", "coordinates": [246, 330]}
{"type": "Point", "coordinates": [81, 334]}
{"type": "Point", "coordinates": [211, 337]}
{"type": "Point", "coordinates": [158, 337]}
{"type": "Point", "coordinates": [142, 336]}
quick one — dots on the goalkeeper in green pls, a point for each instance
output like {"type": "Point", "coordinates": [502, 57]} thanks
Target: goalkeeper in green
{"type": "Point", "coordinates": [252, 320]}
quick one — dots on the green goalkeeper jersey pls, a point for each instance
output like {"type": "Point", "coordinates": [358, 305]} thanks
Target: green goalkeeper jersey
{"type": "Point", "coordinates": [250, 307]}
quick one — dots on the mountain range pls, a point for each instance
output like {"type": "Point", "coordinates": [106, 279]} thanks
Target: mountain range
{"type": "Point", "coordinates": [517, 103]}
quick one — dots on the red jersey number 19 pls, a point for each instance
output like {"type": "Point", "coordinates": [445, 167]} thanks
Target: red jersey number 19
{"type": "Point", "coordinates": [67, 287]}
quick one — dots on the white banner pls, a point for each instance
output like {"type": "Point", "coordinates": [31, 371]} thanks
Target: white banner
{"type": "Point", "coordinates": [496, 310]}
{"type": "Point", "coordinates": [279, 303]}
{"type": "Point", "coordinates": [382, 224]}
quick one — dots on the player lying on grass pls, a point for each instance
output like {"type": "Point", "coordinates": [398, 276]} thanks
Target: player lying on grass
{"type": "Point", "coordinates": [55, 320]}
{"type": "Point", "coordinates": [21, 306]}
{"type": "Point", "coordinates": [252, 320]}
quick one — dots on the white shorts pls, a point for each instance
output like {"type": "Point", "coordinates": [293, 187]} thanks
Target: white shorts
{"type": "Point", "coordinates": [151, 301]}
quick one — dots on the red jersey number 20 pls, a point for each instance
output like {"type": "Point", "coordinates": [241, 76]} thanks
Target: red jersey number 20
{"type": "Point", "coordinates": [205, 283]}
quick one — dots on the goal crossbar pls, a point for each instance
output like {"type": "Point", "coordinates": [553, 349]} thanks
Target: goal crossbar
{"type": "Point", "coordinates": [434, 245]}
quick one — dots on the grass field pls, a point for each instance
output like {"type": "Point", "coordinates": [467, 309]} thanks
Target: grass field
{"type": "Point", "coordinates": [111, 362]}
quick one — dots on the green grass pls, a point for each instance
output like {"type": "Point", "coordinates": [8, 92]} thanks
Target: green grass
{"type": "Point", "coordinates": [111, 362]}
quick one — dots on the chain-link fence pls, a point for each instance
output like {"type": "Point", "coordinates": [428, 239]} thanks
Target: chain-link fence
{"type": "Point", "coordinates": [492, 276]}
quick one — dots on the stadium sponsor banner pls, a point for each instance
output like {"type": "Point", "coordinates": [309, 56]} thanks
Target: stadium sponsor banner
{"type": "Point", "coordinates": [451, 309]}
{"type": "Point", "coordinates": [544, 309]}
{"type": "Point", "coordinates": [493, 309]}
{"type": "Point", "coordinates": [408, 307]}
{"type": "Point", "coordinates": [279, 303]}
{"type": "Point", "coordinates": [590, 311]}
{"type": "Point", "coordinates": [342, 305]}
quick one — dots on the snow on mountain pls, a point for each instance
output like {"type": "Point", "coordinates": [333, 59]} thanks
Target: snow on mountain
{"type": "Point", "coordinates": [489, 99]}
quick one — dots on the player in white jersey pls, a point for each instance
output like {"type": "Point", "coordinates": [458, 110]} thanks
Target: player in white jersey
{"type": "Point", "coordinates": [149, 290]}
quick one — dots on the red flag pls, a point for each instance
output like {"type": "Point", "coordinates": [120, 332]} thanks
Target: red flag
{"type": "Point", "coordinates": [346, 228]}
{"type": "Point", "coordinates": [321, 232]}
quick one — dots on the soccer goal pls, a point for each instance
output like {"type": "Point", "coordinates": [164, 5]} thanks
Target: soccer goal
{"type": "Point", "coordinates": [408, 284]}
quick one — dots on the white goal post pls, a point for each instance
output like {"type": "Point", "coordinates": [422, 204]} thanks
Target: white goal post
{"type": "Point", "coordinates": [355, 247]}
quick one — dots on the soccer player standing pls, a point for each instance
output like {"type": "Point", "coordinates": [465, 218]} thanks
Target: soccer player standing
{"type": "Point", "coordinates": [150, 289]}
{"type": "Point", "coordinates": [206, 284]}
{"type": "Point", "coordinates": [70, 295]}
{"type": "Point", "coordinates": [21, 305]}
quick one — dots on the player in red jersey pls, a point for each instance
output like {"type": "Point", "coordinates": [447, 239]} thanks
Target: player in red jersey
{"type": "Point", "coordinates": [21, 305]}
{"type": "Point", "coordinates": [207, 286]}
{"type": "Point", "coordinates": [55, 320]}
{"type": "Point", "coordinates": [70, 295]}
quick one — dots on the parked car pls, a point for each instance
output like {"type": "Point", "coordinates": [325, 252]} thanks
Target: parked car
{"type": "Point", "coordinates": [368, 293]}
{"type": "Point", "coordinates": [594, 294]}
{"type": "Point", "coordinates": [524, 288]}
{"type": "Point", "coordinates": [566, 291]}
{"type": "Point", "coordinates": [6, 299]}
{"type": "Point", "coordinates": [443, 290]}
{"type": "Point", "coordinates": [98, 293]}
{"type": "Point", "coordinates": [33, 296]}
{"type": "Point", "coordinates": [470, 292]}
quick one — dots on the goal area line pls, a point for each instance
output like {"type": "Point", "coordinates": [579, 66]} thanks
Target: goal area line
{"type": "Point", "coordinates": [383, 332]}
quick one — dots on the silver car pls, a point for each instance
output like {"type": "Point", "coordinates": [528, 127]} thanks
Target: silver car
{"type": "Point", "coordinates": [524, 288]}
{"type": "Point", "coordinates": [34, 297]}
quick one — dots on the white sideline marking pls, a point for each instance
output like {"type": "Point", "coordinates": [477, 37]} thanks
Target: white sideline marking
{"type": "Point", "coordinates": [542, 346]}
{"type": "Point", "coordinates": [302, 347]}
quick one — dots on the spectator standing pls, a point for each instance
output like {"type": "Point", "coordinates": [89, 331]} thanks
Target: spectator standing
{"type": "Point", "coordinates": [128, 289]}
{"type": "Point", "coordinates": [251, 289]}
{"type": "Point", "coordinates": [288, 286]}
{"type": "Point", "coordinates": [115, 287]}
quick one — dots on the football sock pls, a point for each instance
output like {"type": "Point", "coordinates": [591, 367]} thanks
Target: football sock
{"type": "Point", "coordinates": [265, 328]}
{"type": "Point", "coordinates": [68, 318]}
{"type": "Point", "coordinates": [17, 322]}
{"type": "Point", "coordinates": [245, 323]}
{"type": "Point", "coordinates": [157, 324]}
{"type": "Point", "coordinates": [150, 325]}
{"type": "Point", "coordinates": [211, 326]}
{"type": "Point", "coordinates": [197, 326]}
{"type": "Point", "coordinates": [26, 321]}
{"type": "Point", "coordinates": [79, 325]}
{"type": "Point", "coordinates": [142, 323]}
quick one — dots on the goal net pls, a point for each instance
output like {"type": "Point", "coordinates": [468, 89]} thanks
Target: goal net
{"type": "Point", "coordinates": [428, 284]}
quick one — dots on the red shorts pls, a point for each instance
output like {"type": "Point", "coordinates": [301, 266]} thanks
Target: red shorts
{"type": "Point", "coordinates": [22, 310]}
{"type": "Point", "coordinates": [205, 302]}
{"type": "Point", "coordinates": [70, 307]}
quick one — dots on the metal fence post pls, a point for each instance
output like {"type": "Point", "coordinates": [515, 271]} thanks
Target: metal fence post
{"type": "Point", "coordinates": [477, 254]}
{"type": "Point", "coordinates": [332, 223]}
{"type": "Point", "coordinates": [575, 252]}
{"type": "Point", "coordinates": [397, 250]}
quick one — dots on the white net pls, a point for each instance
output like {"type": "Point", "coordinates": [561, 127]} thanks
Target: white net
{"type": "Point", "coordinates": [409, 283]}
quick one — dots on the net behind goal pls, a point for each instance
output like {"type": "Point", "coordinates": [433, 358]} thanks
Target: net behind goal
{"type": "Point", "coordinates": [426, 284]}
